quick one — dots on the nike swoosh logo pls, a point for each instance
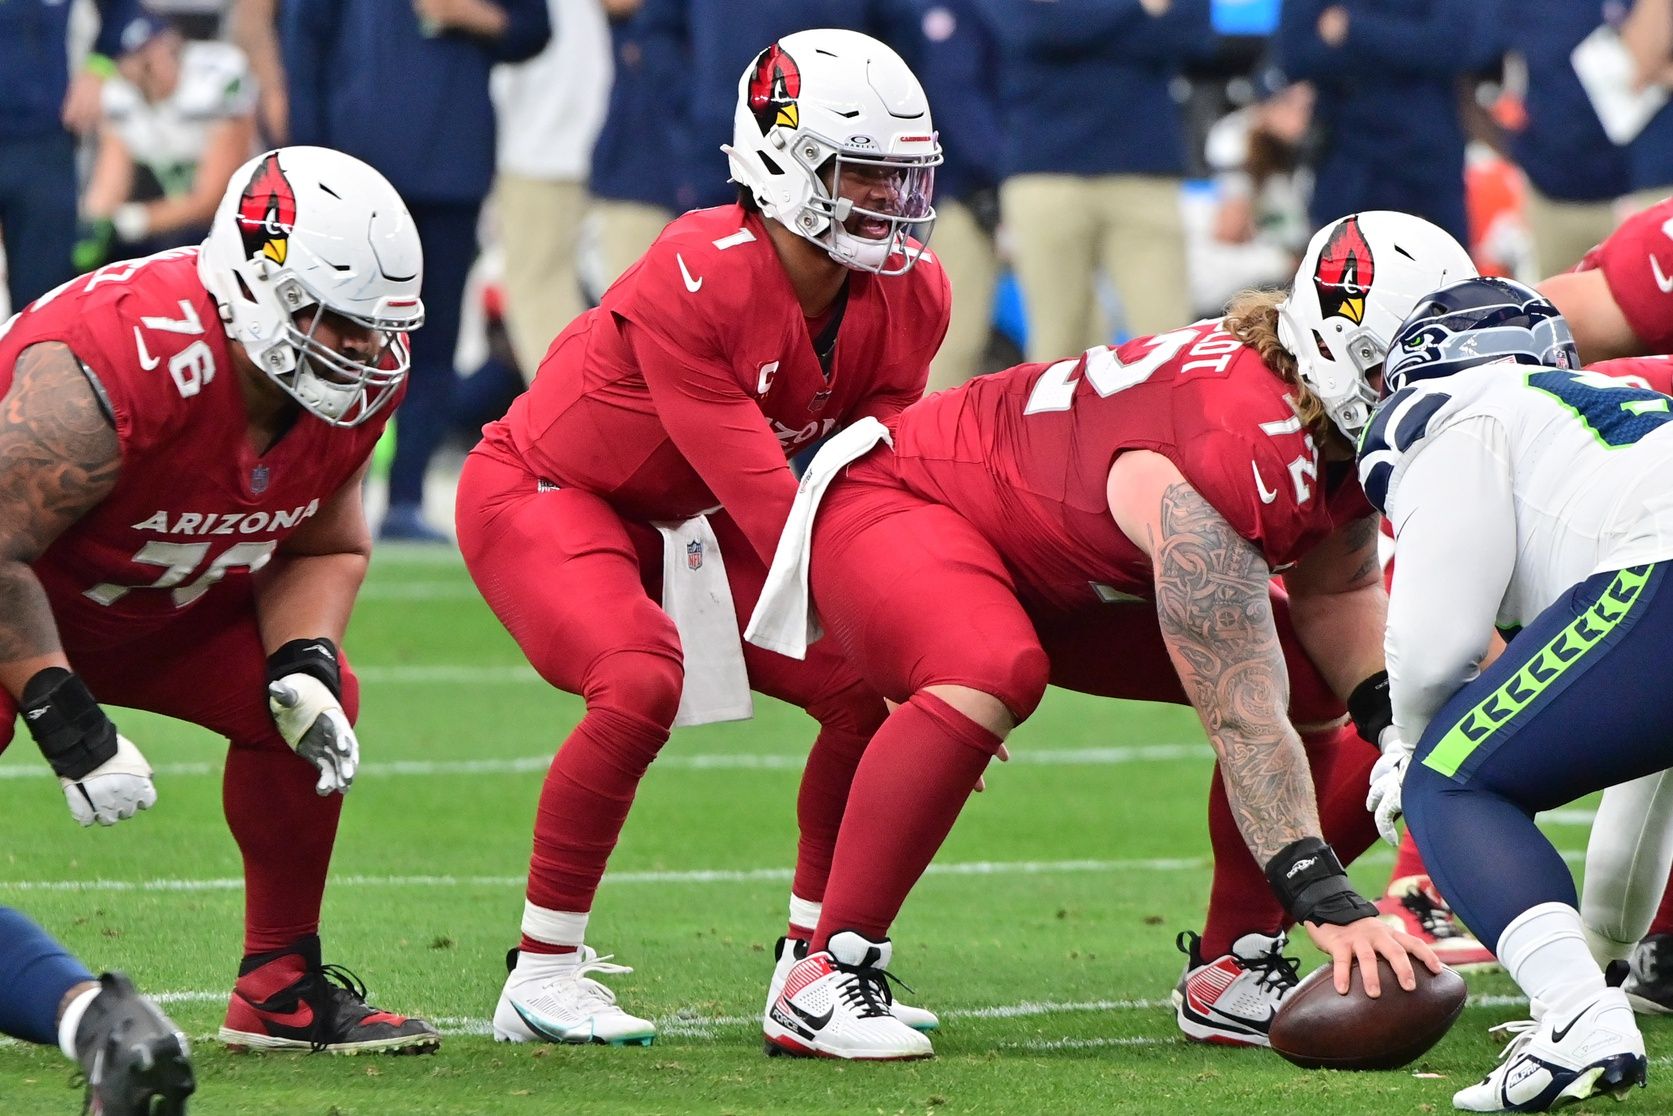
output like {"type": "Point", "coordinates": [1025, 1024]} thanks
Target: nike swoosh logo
{"type": "Point", "coordinates": [300, 1016]}
{"type": "Point", "coordinates": [692, 285]}
{"type": "Point", "coordinates": [146, 360]}
{"type": "Point", "coordinates": [817, 1022]}
{"type": "Point", "coordinates": [1663, 280]}
{"type": "Point", "coordinates": [1558, 1034]}
{"type": "Point", "coordinates": [1267, 494]}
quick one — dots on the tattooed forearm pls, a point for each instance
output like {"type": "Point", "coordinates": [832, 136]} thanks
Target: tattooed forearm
{"type": "Point", "coordinates": [59, 456]}
{"type": "Point", "coordinates": [1211, 598]}
{"type": "Point", "coordinates": [1360, 537]}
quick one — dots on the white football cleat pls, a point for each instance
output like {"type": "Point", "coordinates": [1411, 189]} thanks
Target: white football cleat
{"type": "Point", "coordinates": [552, 998]}
{"type": "Point", "coordinates": [1232, 999]}
{"type": "Point", "coordinates": [834, 1004]}
{"type": "Point", "coordinates": [1563, 1059]}
{"type": "Point", "coordinates": [788, 951]}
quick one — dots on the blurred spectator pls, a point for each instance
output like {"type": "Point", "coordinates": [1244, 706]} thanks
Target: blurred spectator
{"type": "Point", "coordinates": [715, 39]}
{"type": "Point", "coordinates": [633, 162]}
{"type": "Point", "coordinates": [178, 120]}
{"type": "Point", "coordinates": [252, 25]}
{"type": "Point", "coordinates": [1257, 153]}
{"type": "Point", "coordinates": [1574, 172]}
{"type": "Point", "coordinates": [549, 112]}
{"type": "Point", "coordinates": [1388, 76]}
{"type": "Point", "coordinates": [1647, 34]}
{"type": "Point", "coordinates": [957, 59]}
{"type": "Point", "coordinates": [405, 87]}
{"type": "Point", "coordinates": [41, 111]}
{"type": "Point", "coordinates": [1095, 159]}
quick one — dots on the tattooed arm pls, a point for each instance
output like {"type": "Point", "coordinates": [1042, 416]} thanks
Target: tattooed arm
{"type": "Point", "coordinates": [1216, 618]}
{"type": "Point", "coordinates": [1338, 605]}
{"type": "Point", "coordinates": [59, 456]}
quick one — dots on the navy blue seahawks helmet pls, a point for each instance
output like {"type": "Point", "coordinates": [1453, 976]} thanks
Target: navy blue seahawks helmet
{"type": "Point", "coordinates": [1473, 322]}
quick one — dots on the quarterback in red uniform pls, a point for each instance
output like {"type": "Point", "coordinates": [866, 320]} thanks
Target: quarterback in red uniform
{"type": "Point", "coordinates": [620, 518]}
{"type": "Point", "coordinates": [181, 444]}
{"type": "Point", "coordinates": [1083, 523]}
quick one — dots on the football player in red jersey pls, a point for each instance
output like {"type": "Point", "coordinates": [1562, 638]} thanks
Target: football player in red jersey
{"type": "Point", "coordinates": [1619, 300]}
{"type": "Point", "coordinates": [1112, 523]}
{"type": "Point", "coordinates": [182, 439]}
{"type": "Point", "coordinates": [661, 423]}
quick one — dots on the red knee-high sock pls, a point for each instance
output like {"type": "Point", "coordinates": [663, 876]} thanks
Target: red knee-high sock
{"type": "Point", "coordinates": [285, 832]}
{"type": "Point", "coordinates": [911, 784]}
{"type": "Point", "coordinates": [1663, 922]}
{"type": "Point", "coordinates": [1408, 861]}
{"type": "Point", "coordinates": [1240, 901]}
{"type": "Point", "coordinates": [583, 805]}
{"type": "Point", "coordinates": [820, 802]}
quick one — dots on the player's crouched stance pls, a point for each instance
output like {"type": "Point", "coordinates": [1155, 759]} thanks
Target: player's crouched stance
{"type": "Point", "coordinates": [1524, 494]}
{"type": "Point", "coordinates": [182, 440]}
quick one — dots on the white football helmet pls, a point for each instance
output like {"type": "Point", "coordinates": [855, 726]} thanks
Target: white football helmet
{"type": "Point", "coordinates": [1361, 276]}
{"type": "Point", "coordinates": [816, 102]}
{"type": "Point", "coordinates": [305, 228]}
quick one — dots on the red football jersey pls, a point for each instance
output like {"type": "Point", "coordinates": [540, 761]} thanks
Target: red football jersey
{"type": "Point", "coordinates": [696, 379]}
{"type": "Point", "coordinates": [1653, 372]}
{"type": "Point", "coordinates": [194, 502]}
{"type": "Point", "coordinates": [1637, 263]}
{"type": "Point", "coordinates": [1025, 454]}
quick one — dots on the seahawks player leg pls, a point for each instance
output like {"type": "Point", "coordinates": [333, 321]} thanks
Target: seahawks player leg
{"type": "Point", "coordinates": [133, 1058]}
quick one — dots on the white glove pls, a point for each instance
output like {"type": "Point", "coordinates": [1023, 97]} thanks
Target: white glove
{"type": "Point", "coordinates": [1386, 777]}
{"type": "Point", "coordinates": [312, 721]}
{"type": "Point", "coordinates": [118, 788]}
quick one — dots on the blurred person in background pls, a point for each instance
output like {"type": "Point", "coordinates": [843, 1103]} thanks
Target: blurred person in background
{"type": "Point", "coordinates": [1094, 161]}
{"type": "Point", "coordinates": [1574, 171]}
{"type": "Point", "coordinates": [42, 110]}
{"type": "Point", "coordinates": [1647, 34]}
{"type": "Point", "coordinates": [253, 27]}
{"type": "Point", "coordinates": [178, 120]}
{"type": "Point", "coordinates": [957, 57]}
{"type": "Point", "coordinates": [549, 111]}
{"type": "Point", "coordinates": [404, 86]}
{"type": "Point", "coordinates": [633, 165]}
{"type": "Point", "coordinates": [1387, 75]}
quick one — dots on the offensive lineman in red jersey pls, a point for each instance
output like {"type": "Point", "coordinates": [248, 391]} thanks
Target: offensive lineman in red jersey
{"type": "Point", "coordinates": [181, 445]}
{"type": "Point", "coordinates": [1083, 523]}
{"type": "Point", "coordinates": [1619, 300]}
{"type": "Point", "coordinates": [743, 335]}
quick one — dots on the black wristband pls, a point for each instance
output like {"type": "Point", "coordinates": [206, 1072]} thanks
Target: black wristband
{"type": "Point", "coordinates": [1310, 883]}
{"type": "Point", "coordinates": [72, 731]}
{"type": "Point", "coordinates": [317, 657]}
{"type": "Point", "coordinates": [1369, 707]}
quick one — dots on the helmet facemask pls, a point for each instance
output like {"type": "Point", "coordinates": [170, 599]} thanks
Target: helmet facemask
{"type": "Point", "coordinates": [824, 218]}
{"type": "Point", "coordinates": [338, 389]}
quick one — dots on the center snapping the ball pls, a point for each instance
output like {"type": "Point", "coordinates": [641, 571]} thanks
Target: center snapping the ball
{"type": "Point", "coordinates": [1317, 1028]}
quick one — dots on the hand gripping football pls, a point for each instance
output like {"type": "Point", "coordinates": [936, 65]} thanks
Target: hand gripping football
{"type": "Point", "coordinates": [1317, 1028]}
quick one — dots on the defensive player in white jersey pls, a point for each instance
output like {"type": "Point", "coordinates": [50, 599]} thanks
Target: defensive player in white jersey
{"type": "Point", "coordinates": [1530, 497]}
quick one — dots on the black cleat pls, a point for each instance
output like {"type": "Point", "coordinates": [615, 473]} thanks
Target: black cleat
{"type": "Point", "coordinates": [134, 1059]}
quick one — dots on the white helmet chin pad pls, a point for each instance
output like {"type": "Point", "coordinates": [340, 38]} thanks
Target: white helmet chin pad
{"type": "Point", "coordinates": [311, 233]}
{"type": "Point", "coordinates": [1361, 276]}
{"type": "Point", "coordinates": [820, 105]}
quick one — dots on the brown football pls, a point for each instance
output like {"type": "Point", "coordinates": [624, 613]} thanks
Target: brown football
{"type": "Point", "coordinates": [1318, 1029]}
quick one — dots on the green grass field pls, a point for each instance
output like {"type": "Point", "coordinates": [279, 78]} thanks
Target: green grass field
{"type": "Point", "coordinates": [1044, 935]}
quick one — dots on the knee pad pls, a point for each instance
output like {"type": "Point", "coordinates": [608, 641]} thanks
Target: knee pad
{"type": "Point", "coordinates": [640, 684]}
{"type": "Point", "coordinates": [1018, 678]}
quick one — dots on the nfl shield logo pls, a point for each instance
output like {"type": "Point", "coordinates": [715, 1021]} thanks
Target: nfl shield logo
{"type": "Point", "coordinates": [694, 555]}
{"type": "Point", "coordinates": [258, 479]}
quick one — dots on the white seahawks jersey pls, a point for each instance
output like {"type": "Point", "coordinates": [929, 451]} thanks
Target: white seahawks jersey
{"type": "Point", "coordinates": [169, 136]}
{"type": "Point", "coordinates": [1506, 486]}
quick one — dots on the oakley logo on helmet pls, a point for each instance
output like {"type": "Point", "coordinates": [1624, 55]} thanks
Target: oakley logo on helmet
{"type": "Point", "coordinates": [267, 211]}
{"type": "Point", "coordinates": [774, 85]}
{"type": "Point", "coordinates": [1344, 273]}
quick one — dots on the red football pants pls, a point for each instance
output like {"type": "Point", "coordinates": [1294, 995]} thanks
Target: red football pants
{"type": "Point", "coordinates": [208, 668]}
{"type": "Point", "coordinates": [917, 597]}
{"type": "Point", "coordinates": [577, 585]}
